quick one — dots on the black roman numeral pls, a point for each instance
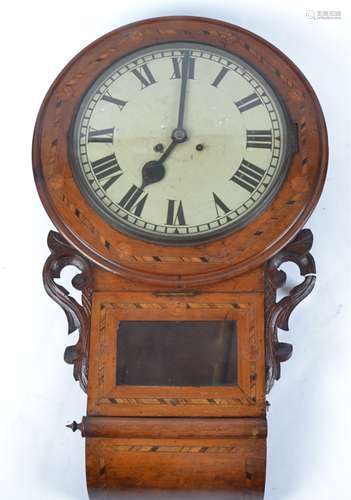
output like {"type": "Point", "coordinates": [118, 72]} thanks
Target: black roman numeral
{"type": "Point", "coordinates": [259, 139]}
{"type": "Point", "coordinates": [134, 200]}
{"type": "Point", "coordinates": [220, 77]}
{"type": "Point", "coordinates": [248, 176]}
{"type": "Point", "coordinates": [177, 62]}
{"type": "Point", "coordinates": [106, 167]}
{"type": "Point", "coordinates": [144, 75]}
{"type": "Point", "coordinates": [221, 207]}
{"type": "Point", "coordinates": [103, 135]}
{"type": "Point", "coordinates": [175, 216]}
{"type": "Point", "coordinates": [251, 101]}
{"type": "Point", "coordinates": [119, 102]}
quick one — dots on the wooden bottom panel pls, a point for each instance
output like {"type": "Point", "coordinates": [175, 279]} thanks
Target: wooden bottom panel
{"type": "Point", "coordinates": [107, 494]}
{"type": "Point", "coordinates": [231, 467]}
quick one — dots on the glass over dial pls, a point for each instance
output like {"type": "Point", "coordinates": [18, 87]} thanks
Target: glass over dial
{"type": "Point", "coordinates": [180, 143]}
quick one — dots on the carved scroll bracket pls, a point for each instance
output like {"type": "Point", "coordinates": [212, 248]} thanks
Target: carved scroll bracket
{"type": "Point", "coordinates": [277, 313]}
{"type": "Point", "coordinates": [78, 315]}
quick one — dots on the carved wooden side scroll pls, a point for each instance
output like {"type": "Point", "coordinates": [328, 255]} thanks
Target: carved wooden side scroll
{"type": "Point", "coordinates": [78, 316]}
{"type": "Point", "coordinates": [278, 313]}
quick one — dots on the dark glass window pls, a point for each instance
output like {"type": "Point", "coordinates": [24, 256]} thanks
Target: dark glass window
{"type": "Point", "coordinates": [177, 353]}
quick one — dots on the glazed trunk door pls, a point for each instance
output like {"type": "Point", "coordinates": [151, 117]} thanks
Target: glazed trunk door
{"type": "Point", "coordinates": [168, 356]}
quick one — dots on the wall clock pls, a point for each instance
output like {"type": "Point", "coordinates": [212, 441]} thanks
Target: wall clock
{"type": "Point", "coordinates": [179, 159]}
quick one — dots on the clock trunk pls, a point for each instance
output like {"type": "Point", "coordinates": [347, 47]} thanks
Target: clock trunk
{"type": "Point", "coordinates": [150, 411]}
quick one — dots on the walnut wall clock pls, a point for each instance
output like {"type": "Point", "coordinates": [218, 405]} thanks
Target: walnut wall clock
{"type": "Point", "coordinates": [179, 159]}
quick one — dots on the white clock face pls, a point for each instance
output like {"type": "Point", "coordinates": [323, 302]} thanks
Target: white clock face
{"type": "Point", "coordinates": [180, 143]}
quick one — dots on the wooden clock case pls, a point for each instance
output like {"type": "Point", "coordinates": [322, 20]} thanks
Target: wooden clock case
{"type": "Point", "coordinates": [178, 442]}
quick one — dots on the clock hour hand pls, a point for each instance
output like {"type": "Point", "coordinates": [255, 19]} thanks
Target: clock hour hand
{"type": "Point", "coordinates": [154, 170]}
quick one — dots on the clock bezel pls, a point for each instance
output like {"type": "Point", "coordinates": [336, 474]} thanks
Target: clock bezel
{"type": "Point", "coordinates": [200, 263]}
{"type": "Point", "coordinates": [191, 238]}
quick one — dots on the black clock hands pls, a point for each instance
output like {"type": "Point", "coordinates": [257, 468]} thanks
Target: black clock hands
{"type": "Point", "coordinates": [184, 81]}
{"type": "Point", "coordinates": [154, 171]}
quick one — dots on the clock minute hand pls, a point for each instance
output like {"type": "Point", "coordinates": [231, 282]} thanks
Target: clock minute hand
{"type": "Point", "coordinates": [184, 81]}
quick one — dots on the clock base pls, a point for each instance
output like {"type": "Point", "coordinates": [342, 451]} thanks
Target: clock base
{"type": "Point", "coordinates": [172, 495]}
{"type": "Point", "coordinates": [175, 458]}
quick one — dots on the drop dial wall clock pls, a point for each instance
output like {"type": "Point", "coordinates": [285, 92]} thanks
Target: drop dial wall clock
{"type": "Point", "coordinates": [179, 159]}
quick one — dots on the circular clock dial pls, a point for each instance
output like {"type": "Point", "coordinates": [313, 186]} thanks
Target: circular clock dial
{"type": "Point", "coordinates": [180, 143]}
